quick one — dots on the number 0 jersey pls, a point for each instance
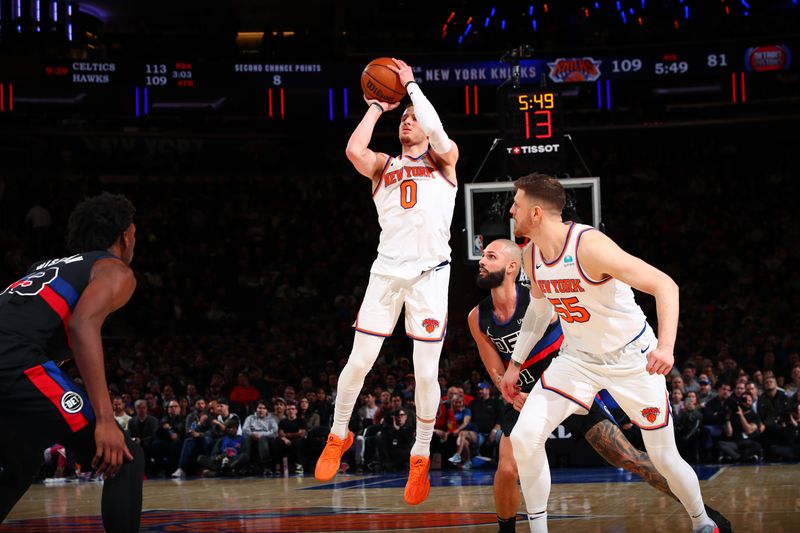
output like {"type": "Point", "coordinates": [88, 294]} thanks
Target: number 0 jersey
{"type": "Point", "coordinates": [504, 337]}
{"type": "Point", "coordinates": [35, 310]}
{"type": "Point", "coordinates": [598, 316]}
{"type": "Point", "coordinates": [415, 204]}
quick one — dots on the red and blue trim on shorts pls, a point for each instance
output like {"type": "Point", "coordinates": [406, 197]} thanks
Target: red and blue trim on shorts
{"type": "Point", "coordinates": [55, 385]}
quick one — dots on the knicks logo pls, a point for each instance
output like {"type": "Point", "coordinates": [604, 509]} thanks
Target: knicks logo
{"type": "Point", "coordinates": [430, 324]}
{"type": "Point", "coordinates": [578, 69]}
{"type": "Point", "coordinates": [651, 413]}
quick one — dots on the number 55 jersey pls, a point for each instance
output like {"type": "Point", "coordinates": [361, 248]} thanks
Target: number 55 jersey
{"type": "Point", "coordinates": [597, 316]}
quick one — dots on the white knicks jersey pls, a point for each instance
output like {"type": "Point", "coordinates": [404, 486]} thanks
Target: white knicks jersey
{"type": "Point", "coordinates": [415, 204]}
{"type": "Point", "coordinates": [597, 316]}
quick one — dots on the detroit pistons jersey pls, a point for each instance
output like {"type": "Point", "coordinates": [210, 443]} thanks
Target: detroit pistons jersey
{"type": "Point", "coordinates": [504, 336]}
{"type": "Point", "coordinates": [598, 316]}
{"type": "Point", "coordinates": [415, 204]}
{"type": "Point", "coordinates": [35, 311]}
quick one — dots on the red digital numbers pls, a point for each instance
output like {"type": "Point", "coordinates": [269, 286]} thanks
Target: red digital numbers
{"type": "Point", "coordinates": [543, 124]}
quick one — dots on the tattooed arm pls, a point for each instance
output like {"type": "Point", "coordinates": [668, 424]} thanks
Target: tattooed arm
{"type": "Point", "coordinates": [607, 439]}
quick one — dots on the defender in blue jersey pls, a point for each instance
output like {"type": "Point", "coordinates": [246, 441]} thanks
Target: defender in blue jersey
{"type": "Point", "coordinates": [495, 325]}
{"type": "Point", "coordinates": [53, 313]}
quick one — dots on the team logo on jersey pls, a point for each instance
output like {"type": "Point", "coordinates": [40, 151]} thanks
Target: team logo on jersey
{"type": "Point", "coordinates": [71, 402]}
{"type": "Point", "coordinates": [430, 324]}
{"type": "Point", "coordinates": [568, 259]}
{"type": "Point", "coordinates": [651, 413]}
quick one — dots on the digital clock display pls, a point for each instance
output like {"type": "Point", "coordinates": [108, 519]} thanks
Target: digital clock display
{"type": "Point", "coordinates": [172, 74]}
{"type": "Point", "coordinates": [531, 115]}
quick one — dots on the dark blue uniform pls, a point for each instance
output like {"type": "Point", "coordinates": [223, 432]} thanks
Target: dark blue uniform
{"type": "Point", "coordinates": [504, 337]}
{"type": "Point", "coordinates": [41, 404]}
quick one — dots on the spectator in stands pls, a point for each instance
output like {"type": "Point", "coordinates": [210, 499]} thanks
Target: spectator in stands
{"type": "Point", "coordinates": [793, 386]}
{"type": "Point", "coordinates": [260, 432]}
{"type": "Point", "coordinates": [486, 417]}
{"type": "Point", "coordinates": [198, 423]}
{"type": "Point", "coordinates": [120, 415]}
{"type": "Point", "coordinates": [368, 408]}
{"type": "Point", "coordinates": [142, 429]}
{"type": "Point", "coordinates": [305, 412]}
{"type": "Point", "coordinates": [717, 411]}
{"type": "Point", "coordinates": [279, 409]}
{"type": "Point", "coordinates": [678, 384]}
{"type": "Point", "coordinates": [788, 449]}
{"type": "Point", "coordinates": [689, 381]}
{"type": "Point", "coordinates": [152, 405]}
{"type": "Point", "coordinates": [169, 438]}
{"type": "Point", "coordinates": [751, 388]}
{"type": "Point", "coordinates": [244, 394]}
{"type": "Point", "coordinates": [291, 432]}
{"type": "Point", "coordinates": [773, 407]}
{"type": "Point", "coordinates": [689, 429]}
{"type": "Point", "coordinates": [464, 433]}
{"type": "Point", "coordinates": [676, 400]}
{"type": "Point", "coordinates": [397, 438]}
{"type": "Point", "coordinates": [227, 456]}
{"type": "Point", "coordinates": [741, 433]}
{"type": "Point", "coordinates": [705, 393]}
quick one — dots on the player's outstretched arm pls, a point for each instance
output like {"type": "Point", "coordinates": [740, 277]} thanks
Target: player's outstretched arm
{"type": "Point", "coordinates": [491, 359]}
{"type": "Point", "coordinates": [110, 287]}
{"type": "Point", "coordinates": [427, 117]}
{"type": "Point", "coordinates": [600, 257]}
{"type": "Point", "coordinates": [367, 162]}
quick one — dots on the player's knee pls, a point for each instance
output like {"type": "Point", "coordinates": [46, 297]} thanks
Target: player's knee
{"type": "Point", "coordinates": [507, 471]}
{"type": "Point", "coordinates": [527, 440]}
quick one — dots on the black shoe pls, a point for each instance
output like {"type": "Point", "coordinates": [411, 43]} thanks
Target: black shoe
{"type": "Point", "coordinates": [723, 523]}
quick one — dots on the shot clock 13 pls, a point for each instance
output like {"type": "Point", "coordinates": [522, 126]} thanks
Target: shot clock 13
{"type": "Point", "coordinates": [531, 116]}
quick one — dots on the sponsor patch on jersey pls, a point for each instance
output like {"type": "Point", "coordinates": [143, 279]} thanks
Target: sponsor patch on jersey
{"type": "Point", "coordinates": [651, 413]}
{"type": "Point", "coordinates": [568, 259]}
{"type": "Point", "coordinates": [71, 402]}
{"type": "Point", "coordinates": [430, 324]}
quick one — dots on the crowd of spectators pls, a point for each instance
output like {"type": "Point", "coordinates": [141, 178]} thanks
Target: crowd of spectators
{"type": "Point", "coordinates": [248, 286]}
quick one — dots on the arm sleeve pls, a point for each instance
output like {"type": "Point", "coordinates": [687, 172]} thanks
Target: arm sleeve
{"type": "Point", "coordinates": [428, 119]}
{"type": "Point", "coordinates": [537, 317]}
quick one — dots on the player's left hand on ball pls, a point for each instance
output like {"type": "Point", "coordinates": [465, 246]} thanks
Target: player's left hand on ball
{"type": "Point", "coordinates": [385, 105]}
{"type": "Point", "coordinates": [403, 70]}
{"type": "Point", "coordinates": [660, 361]}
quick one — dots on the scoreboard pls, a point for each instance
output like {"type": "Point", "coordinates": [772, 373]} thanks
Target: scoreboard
{"type": "Point", "coordinates": [531, 110]}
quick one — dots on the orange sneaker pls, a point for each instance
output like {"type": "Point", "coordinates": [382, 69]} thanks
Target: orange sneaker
{"type": "Point", "coordinates": [328, 462]}
{"type": "Point", "coordinates": [419, 484]}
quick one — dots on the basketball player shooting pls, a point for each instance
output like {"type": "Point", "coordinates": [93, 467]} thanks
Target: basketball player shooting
{"type": "Point", "coordinates": [414, 194]}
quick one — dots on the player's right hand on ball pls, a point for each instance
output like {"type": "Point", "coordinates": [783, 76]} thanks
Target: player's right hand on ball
{"type": "Point", "coordinates": [385, 105]}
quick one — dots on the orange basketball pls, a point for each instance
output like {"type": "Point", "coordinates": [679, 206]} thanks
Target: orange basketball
{"type": "Point", "coordinates": [380, 83]}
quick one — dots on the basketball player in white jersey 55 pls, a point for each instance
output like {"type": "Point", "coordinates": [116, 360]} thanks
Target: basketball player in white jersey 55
{"type": "Point", "coordinates": [414, 195]}
{"type": "Point", "coordinates": [584, 277]}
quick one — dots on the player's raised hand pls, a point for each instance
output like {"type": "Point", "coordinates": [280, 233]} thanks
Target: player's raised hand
{"type": "Point", "coordinates": [403, 71]}
{"type": "Point", "coordinates": [660, 361]}
{"type": "Point", "coordinates": [385, 105]}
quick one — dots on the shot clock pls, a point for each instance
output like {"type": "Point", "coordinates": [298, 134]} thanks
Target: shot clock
{"type": "Point", "coordinates": [530, 117]}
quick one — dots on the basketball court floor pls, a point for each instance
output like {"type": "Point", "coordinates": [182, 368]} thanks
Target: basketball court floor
{"type": "Point", "coordinates": [588, 500]}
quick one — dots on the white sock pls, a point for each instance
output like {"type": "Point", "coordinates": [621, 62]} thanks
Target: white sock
{"type": "Point", "coordinates": [365, 350]}
{"type": "Point", "coordinates": [422, 446]}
